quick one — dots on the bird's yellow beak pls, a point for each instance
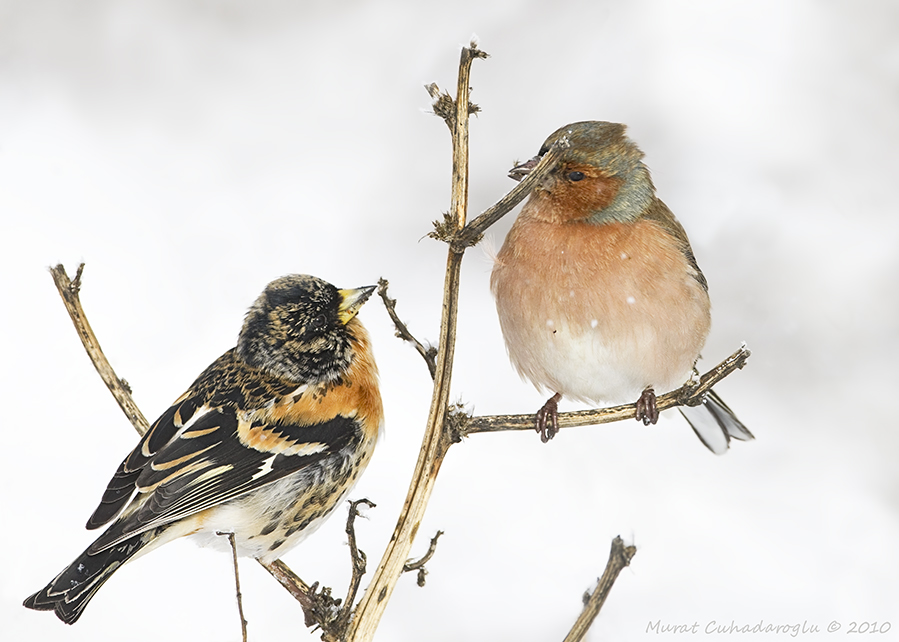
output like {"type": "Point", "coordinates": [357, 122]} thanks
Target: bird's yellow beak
{"type": "Point", "coordinates": [351, 301]}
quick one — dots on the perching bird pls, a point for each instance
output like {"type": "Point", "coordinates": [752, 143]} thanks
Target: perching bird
{"type": "Point", "coordinates": [264, 444]}
{"type": "Point", "coordinates": [599, 295]}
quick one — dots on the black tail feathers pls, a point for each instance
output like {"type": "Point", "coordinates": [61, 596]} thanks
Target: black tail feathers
{"type": "Point", "coordinates": [72, 589]}
{"type": "Point", "coordinates": [715, 424]}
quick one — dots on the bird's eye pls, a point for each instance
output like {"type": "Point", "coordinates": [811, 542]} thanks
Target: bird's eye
{"type": "Point", "coordinates": [316, 324]}
{"type": "Point", "coordinates": [575, 176]}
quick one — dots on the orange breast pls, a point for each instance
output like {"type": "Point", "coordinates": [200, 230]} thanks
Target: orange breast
{"type": "Point", "coordinates": [355, 395]}
{"type": "Point", "coordinates": [622, 290]}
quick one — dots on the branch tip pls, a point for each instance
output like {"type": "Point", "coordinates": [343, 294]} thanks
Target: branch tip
{"type": "Point", "coordinates": [429, 354]}
{"type": "Point", "coordinates": [419, 565]}
{"type": "Point", "coordinates": [620, 556]}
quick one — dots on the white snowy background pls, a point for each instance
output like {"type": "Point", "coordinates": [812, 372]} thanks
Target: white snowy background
{"type": "Point", "coordinates": [190, 151]}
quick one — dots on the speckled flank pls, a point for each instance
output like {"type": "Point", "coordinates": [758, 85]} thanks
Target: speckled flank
{"type": "Point", "coordinates": [306, 498]}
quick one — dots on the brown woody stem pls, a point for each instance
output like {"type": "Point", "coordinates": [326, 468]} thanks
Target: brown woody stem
{"type": "Point", "coordinates": [690, 394]}
{"type": "Point", "coordinates": [619, 557]}
{"type": "Point", "coordinates": [435, 442]}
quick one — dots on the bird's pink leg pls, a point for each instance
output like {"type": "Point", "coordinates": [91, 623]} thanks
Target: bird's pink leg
{"type": "Point", "coordinates": [647, 412]}
{"type": "Point", "coordinates": [548, 418]}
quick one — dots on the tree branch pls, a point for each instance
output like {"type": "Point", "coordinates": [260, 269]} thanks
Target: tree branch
{"type": "Point", "coordinates": [474, 231]}
{"type": "Point", "coordinates": [419, 564]}
{"type": "Point", "coordinates": [243, 620]}
{"type": "Point", "coordinates": [302, 592]}
{"type": "Point", "coordinates": [619, 557]}
{"type": "Point", "coordinates": [429, 353]}
{"type": "Point", "coordinates": [690, 394]}
{"type": "Point", "coordinates": [69, 291]}
{"type": "Point", "coordinates": [359, 561]}
{"type": "Point", "coordinates": [435, 442]}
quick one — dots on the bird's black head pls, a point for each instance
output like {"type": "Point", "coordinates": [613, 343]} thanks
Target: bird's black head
{"type": "Point", "coordinates": [298, 329]}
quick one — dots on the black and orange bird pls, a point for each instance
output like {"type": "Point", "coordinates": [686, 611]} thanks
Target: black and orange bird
{"type": "Point", "coordinates": [599, 295]}
{"type": "Point", "coordinates": [264, 445]}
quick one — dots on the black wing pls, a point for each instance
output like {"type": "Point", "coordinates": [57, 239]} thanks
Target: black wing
{"type": "Point", "coordinates": [209, 463]}
{"type": "Point", "coordinates": [207, 448]}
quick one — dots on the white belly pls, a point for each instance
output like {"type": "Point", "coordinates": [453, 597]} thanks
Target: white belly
{"type": "Point", "coordinates": [583, 364]}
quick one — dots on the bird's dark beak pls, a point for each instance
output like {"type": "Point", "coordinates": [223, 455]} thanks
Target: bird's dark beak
{"type": "Point", "coordinates": [520, 171]}
{"type": "Point", "coordinates": [351, 301]}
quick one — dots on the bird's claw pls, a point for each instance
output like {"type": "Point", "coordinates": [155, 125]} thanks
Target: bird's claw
{"type": "Point", "coordinates": [647, 411]}
{"type": "Point", "coordinates": [548, 418]}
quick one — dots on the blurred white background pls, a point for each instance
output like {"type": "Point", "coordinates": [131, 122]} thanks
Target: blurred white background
{"type": "Point", "coordinates": [190, 151]}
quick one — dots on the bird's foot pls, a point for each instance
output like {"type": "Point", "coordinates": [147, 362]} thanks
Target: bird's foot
{"type": "Point", "coordinates": [647, 412]}
{"type": "Point", "coordinates": [548, 418]}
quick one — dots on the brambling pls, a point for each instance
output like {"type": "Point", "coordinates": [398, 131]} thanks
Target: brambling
{"type": "Point", "coordinates": [599, 296]}
{"type": "Point", "coordinates": [264, 444]}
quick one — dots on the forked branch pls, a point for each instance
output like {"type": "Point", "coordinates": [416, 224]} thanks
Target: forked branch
{"type": "Point", "coordinates": [434, 443]}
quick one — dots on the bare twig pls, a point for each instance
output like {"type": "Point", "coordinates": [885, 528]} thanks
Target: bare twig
{"type": "Point", "coordinates": [619, 557]}
{"type": "Point", "coordinates": [474, 231]}
{"type": "Point", "coordinates": [691, 394]}
{"type": "Point", "coordinates": [435, 442]}
{"type": "Point", "coordinates": [359, 561]}
{"type": "Point", "coordinates": [69, 290]}
{"type": "Point", "coordinates": [301, 591]}
{"type": "Point", "coordinates": [429, 353]}
{"type": "Point", "coordinates": [419, 564]}
{"type": "Point", "coordinates": [243, 620]}
{"type": "Point", "coordinates": [411, 565]}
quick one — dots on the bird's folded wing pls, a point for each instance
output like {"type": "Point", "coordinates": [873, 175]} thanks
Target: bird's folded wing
{"type": "Point", "coordinates": [220, 455]}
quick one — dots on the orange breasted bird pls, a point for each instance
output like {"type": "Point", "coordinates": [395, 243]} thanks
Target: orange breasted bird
{"type": "Point", "coordinates": [264, 444]}
{"type": "Point", "coordinates": [599, 296]}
